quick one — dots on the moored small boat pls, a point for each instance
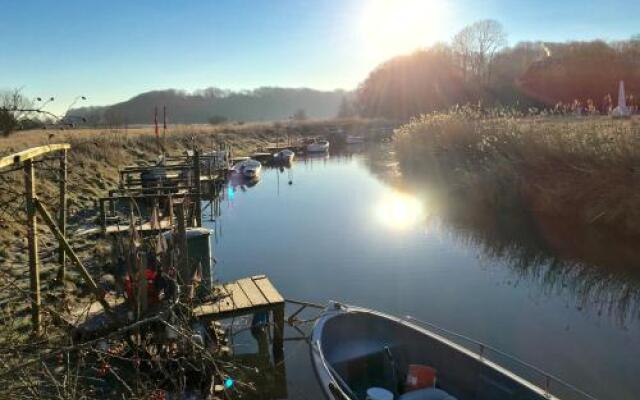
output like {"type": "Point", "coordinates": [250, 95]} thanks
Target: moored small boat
{"type": "Point", "coordinates": [318, 146]}
{"type": "Point", "coordinates": [354, 139]}
{"type": "Point", "coordinates": [362, 354]}
{"type": "Point", "coordinates": [284, 156]}
{"type": "Point", "coordinates": [249, 168]}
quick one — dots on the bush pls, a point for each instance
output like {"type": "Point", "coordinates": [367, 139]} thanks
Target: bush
{"type": "Point", "coordinates": [217, 120]}
{"type": "Point", "coordinates": [8, 123]}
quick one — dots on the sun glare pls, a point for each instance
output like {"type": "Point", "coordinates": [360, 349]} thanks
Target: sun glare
{"type": "Point", "coordinates": [391, 27]}
{"type": "Point", "coordinates": [400, 211]}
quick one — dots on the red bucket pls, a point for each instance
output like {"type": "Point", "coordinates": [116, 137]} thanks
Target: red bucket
{"type": "Point", "coordinates": [420, 376]}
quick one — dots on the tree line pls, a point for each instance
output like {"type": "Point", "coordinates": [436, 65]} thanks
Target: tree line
{"type": "Point", "coordinates": [477, 66]}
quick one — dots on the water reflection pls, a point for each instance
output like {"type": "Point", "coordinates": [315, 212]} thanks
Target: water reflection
{"type": "Point", "coordinates": [400, 211]}
{"type": "Point", "coordinates": [599, 269]}
{"type": "Point", "coordinates": [530, 285]}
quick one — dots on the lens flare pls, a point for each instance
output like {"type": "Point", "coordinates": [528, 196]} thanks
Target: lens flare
{"type": "Point", "coordinates": [392, 27]}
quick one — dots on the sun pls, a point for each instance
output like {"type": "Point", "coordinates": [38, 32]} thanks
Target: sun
{"type": "Point", "coordinates": [392, 27]}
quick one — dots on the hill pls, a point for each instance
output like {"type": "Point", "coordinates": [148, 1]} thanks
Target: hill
{"type": "Point", "coordinates": [262, 104]}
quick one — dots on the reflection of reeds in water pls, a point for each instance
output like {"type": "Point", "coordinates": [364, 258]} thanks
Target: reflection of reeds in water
{"type": "Point", "coordinates": [525, 193]}
{"type": "Point", "coordinates": [564, 261]}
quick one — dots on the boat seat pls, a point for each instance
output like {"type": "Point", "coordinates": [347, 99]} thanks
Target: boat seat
{"type": "Point", "coordinates": [427, 394]}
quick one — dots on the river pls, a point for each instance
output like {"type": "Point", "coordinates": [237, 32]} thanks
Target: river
{"type": "Point", "coordinates": [342, 230]}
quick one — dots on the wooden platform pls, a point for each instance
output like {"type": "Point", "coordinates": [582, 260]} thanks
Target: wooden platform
{"type": "Point", "coordinates": [243, 296]}
{"type": "Point", "coordinates": [164, 225]}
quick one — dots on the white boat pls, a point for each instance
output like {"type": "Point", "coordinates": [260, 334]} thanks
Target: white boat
{"type": "Point", "coordinates": [359, 353]}
{"type": "Point", "coordinates": [318, 146]}
{"type": "Point", "coordinates": [249, 168]}
{"type": "Point", "coordinates": [354, 139]}
{"type": "Point", "coordinates": [284, 156]}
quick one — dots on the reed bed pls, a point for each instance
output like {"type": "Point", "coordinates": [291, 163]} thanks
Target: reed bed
{"type": "Point", "coordinates": [585, 169]}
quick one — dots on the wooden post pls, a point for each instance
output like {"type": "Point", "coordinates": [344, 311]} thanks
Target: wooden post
{"type": "Point", "coordinates": [198, 187]}
{"type": "Point", "coordinates": [62, 214]}
{"type": "Point", "coordinates": [183, 270]}
{"type": "Point", "coordinates": [103, 216]}
{"type": "Point", "coordinates": [278, 333]}
{"type": "Point", "coordinates": [34, 267]}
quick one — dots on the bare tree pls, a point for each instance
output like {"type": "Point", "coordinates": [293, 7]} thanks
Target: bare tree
{"type": "Point", "coordinates": [462, 46]}
{"type": "Point", "coordinates": [476, 46]}
{"type": "Point", "coordinates": [14, 107]}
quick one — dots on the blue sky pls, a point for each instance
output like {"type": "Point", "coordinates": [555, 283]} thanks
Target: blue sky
{"type": "Point", "coordinates": [112, 50]}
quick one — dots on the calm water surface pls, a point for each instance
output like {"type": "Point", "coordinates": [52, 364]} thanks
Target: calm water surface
{"type": "Point", "coordinates": [340, 231]}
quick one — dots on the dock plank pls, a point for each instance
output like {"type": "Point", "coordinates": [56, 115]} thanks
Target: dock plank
{"type": "Point", "coordinates": [225, 304]}
{"type": "Point", "coordinates": [146, 227]}
{"type": "Point", "coordinates": [267, 289]}
{"type": "Point", "coordinates": [253, 293]}
{"type": "Point", "coordinates": [239, 298]}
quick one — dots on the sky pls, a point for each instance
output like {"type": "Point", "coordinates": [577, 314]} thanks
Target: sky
{"type": "Point", "coordinates": [112, 50]}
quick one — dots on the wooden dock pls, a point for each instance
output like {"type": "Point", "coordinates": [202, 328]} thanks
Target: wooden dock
{"type": "Point", "coordinates": [248, 296]}
{"type": "Point", "coordinates": [146, 227]}
{"type": "Point", "coordinates": [244, 296]}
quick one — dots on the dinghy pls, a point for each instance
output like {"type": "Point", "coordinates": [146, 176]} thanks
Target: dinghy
{"type": "Point", "coordinates": [318, 146]}
{"type": "Point", "coordinates": [284, 156]}
{"type": "Point", "coordinates": [249, 168]}
{"type": "Point", "coordinates": [360, 354]}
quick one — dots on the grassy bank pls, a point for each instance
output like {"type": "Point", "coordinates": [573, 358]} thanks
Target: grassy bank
{"type": "Point", "coordinates": [582, 169]}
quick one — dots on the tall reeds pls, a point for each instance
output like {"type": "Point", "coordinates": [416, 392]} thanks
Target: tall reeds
{"type": "Point", "coordinates": [583, 168]}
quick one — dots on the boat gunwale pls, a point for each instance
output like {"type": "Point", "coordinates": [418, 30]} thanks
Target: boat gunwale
{"type": "Point", "coordinates": [331, 312]}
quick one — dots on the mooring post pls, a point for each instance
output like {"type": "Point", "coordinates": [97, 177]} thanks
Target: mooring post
{"type": "Point", "coordinates": [170, 211]}
{"type": "Point", "coordinates": [278, 333]}
{"type": "Point", "coordinates": [34, 267]}
{"type": "Point", "coordinates": [198, 186]}
{"type": "Point", "coordinates": [103, 216]}
{"type": "Point", "coordinates": [183, 268]}
{"type": "Point", "coordinates": [62, 214]}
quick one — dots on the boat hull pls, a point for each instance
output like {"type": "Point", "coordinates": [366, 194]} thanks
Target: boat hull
{"type": "Point", "coordinates": [345, 339]}
{"type": "Point", "coordinates": [318, 147]}
{"type": "Point", "coordinates": [284, 156]}
{"type": "Point", "coordinates": [354, 140]}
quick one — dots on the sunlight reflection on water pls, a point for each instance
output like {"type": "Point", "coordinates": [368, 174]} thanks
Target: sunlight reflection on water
{"type": "Point", "coordinates": [400, 211]}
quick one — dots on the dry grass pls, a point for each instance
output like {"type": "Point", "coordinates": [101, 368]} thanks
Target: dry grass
{"type": "Point", "coordinates": [586, 169]}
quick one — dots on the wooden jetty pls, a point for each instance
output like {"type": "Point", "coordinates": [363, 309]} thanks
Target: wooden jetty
{"type": "Point", "coordinates": [248, 296]}
{"type": "Point", "coordinates": [150, 192]}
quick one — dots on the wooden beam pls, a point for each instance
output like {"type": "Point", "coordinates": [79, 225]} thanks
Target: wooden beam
{"type": "Point", "coordinates": [183, 267]}
{"type": "Point", "coordinates": [198, 186]}
{"type": "Point", "coordinates": [62, 213]}
{"type": "Point", "coordinates": [103, 214]}
{"type": "Point", "coordinates": [278, 334]}
{"type": "Point", "coordinates": [32, 226]}
{"type": "Point", "coordinates": [146, 196]}
{"type": "Point", "coordinates": [72, 255]}
{"type": "Point", "coordinates": [28, 154]}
